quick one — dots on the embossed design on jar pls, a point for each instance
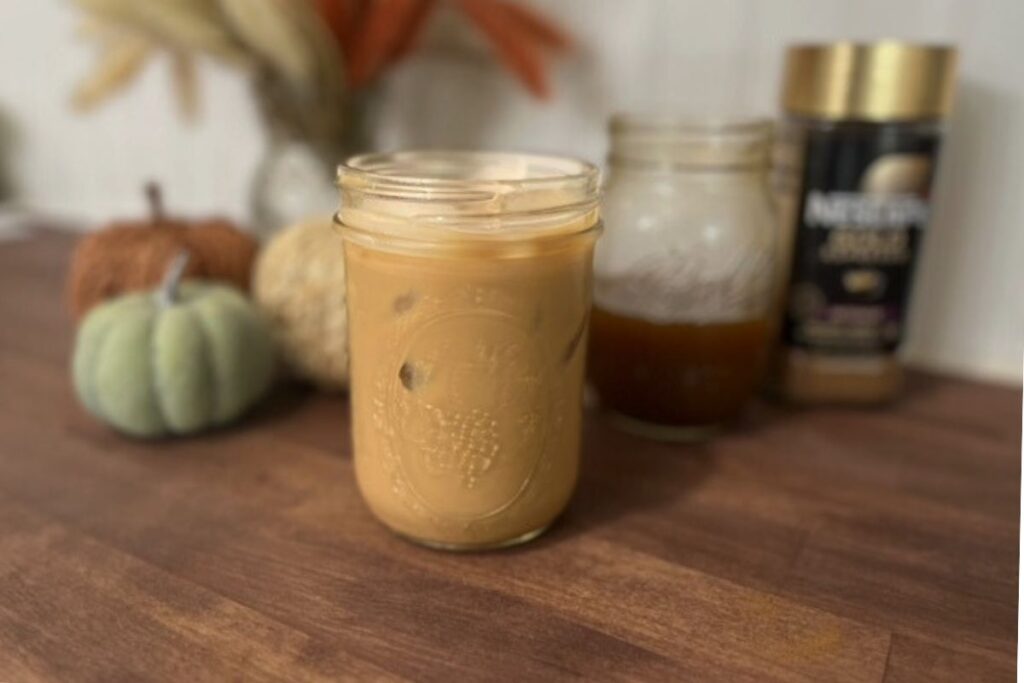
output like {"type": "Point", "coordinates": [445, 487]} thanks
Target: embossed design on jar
{"type": "Point", "coordinates": [461, 444]}
{"type": "Point", "coordinates": [467, 397]}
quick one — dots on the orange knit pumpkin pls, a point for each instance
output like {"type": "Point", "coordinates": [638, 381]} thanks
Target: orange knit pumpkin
{"type": "Point", "coordinates": [132, 255]}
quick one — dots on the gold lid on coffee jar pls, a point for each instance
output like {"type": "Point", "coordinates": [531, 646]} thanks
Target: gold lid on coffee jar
{"type": "Point", "coordinates": [885, 81]}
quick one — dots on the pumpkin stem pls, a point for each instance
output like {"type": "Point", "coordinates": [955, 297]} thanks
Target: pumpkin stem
{"type": "Point", "coordinates": [156, 202]}
{"type": "Point", "coordinates": [167, 295]}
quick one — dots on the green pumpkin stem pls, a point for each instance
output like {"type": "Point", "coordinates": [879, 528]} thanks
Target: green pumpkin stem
{"type": "Point", "coordinates": [155, 197]}
{"type": "Point", "coordinates": [167, 295]}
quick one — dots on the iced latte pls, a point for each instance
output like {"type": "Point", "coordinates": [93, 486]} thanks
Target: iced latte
{"type": "Point", "coordinates": [469, 293]}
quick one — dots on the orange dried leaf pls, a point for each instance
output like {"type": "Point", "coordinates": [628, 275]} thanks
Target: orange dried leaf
{"type": "Point", "coordinates": [381, 31]}
{"type": "Point", "coordinates": [544, 31]}
{"type": "Point", "coordinates": [413, 29]}
{"type": "Point", "coordinates": [340, 16]}
{"type": "Point", "coordinates": [516, 51]}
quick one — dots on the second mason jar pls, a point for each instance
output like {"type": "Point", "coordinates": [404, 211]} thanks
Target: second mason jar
{"type": "Point", "coordinates": [684, 275]}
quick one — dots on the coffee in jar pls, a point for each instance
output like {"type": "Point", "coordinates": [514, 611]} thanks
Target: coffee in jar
{"type": "Point", "coordinates": [683, 275]}
{"type": "Point", "coordinates": [469, 285]}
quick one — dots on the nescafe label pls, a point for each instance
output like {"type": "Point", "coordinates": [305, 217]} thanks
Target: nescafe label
{"type": "Point", "coordinates": [864, 205]}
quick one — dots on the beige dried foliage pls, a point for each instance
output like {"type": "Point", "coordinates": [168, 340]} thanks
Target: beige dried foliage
{"type": "Point", "coordinates": [191, 26]}
{"type": "Point", "coordinates": [283, 42]}
{"type": "Point", "coordinates": [186, 84]}
{"type": "Point", "coordinates": [301, 80]}
{"type": "Point", "coordinates": [121, 60]}
{"type": "Point", "coordinates": [270, 29]}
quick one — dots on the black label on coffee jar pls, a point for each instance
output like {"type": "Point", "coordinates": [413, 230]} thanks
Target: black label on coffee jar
{"type": "Point", "coordinates": [863, 208]}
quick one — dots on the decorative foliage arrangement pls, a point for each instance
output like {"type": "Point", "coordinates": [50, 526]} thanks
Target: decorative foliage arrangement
{"type": "Point", "coordinates": [375, 34]}
{"type": "Point", "coordinates": [299, 283]}
{"type": "Point", "coordinates": [305, 56]}
{"type": "Point", "coordinates": [178, 360]}
{"type": "Point", "coordinates": [132, 255]}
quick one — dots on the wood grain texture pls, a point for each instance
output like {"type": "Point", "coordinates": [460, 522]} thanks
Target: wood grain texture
{"type": "Point", "coordinates": [824, 545]}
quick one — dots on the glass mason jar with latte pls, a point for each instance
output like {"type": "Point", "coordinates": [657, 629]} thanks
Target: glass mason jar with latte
{"type": "Point", "coordinates": [469, 284]}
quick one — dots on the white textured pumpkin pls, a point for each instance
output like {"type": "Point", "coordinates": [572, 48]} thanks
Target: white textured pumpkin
{"type": "Point", "coordinates": [299, 282]}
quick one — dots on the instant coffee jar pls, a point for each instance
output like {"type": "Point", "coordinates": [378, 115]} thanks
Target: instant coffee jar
{"type": "Point", "coordinates": [853, 169]}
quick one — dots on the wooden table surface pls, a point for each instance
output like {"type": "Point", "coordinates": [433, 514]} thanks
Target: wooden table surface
{"type": "Point", "coordinates": [808, 545]}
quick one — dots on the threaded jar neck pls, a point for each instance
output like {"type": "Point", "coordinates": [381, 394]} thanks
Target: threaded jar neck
{"type": "Point", "coordinates": [673, 142]}
{"type": "Point", "coordinates": [449, 197]}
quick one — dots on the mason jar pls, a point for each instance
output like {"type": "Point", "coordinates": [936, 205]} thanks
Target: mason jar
{"type": "Point", "coordinates": [469, 291]}
{"type": "Point", "coordinates": [684, 275]}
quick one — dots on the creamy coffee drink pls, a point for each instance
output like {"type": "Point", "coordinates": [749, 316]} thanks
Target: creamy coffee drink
{"type": "Point", "coordinates": [468, 305]}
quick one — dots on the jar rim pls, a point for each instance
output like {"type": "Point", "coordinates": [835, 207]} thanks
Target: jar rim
{"type": "Point", "coordinates": [416, 174]}
{"type": "Point", "coordinates": [661, 140]}
{"type": "Point", "coordinates": [658, 122]}
{"type": "Point", "coordinates": [466, 198]}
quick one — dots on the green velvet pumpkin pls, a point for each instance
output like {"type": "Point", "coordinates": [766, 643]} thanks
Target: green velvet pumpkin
{"type": "Point", "coordinates": [174, 361]}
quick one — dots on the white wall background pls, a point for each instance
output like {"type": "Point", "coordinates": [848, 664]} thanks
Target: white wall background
{"type": "Point", "coordinates": [968, 315]}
